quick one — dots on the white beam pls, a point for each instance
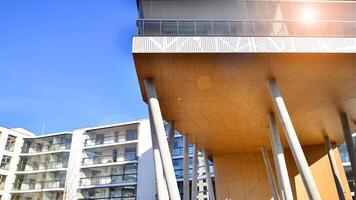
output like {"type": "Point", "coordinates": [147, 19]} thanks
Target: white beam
{"type": "Point", "coordinates": [270, 176]}
{"type": "Point", "coordinates": [195, 173]}
{"type": "Point", "coordinates": [157, 119]}
{"type": "Point", "coordinates": [279, 160]}
{"type": "Point", "coordinates": [332, 161]}
{"type": "Point", "coordinates": [185, 168]}
{"type": "Point", "coordinates": [162, 191]}
{"type": "Point", "coordinates": [293, 141]}
{"type": "Point", "coordinates": [208, 177]}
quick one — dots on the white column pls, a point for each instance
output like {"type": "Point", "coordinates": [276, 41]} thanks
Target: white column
{"type": "Point", "coordinates": [195, 173]}
{"type": "Point", "coordinates": [162, 191]}
{"type": "Point", "coordinates": [293, 141]}
{"type": "Point", "coordinates": [185, 168]}
{"type": "Point", "coordinates": [208, 177]}
{"type": "Point", "coordinates": [171, 137]}
{"type": "Point", "coordinates": [349, 143]}
{"type": "Point", "coordinates": [279, 160]}
{"type": "Point", "coordinates": [157, 119]}
{"type": "Point", "coordinates": [334, 170]}
{"type": "Point", "coordinates": [269, 170]}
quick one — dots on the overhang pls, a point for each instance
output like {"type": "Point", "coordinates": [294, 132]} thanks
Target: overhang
{"type": "Point", "coordinates": [215, 88]}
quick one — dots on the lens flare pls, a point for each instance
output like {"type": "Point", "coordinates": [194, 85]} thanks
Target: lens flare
{"type": "Point", "coordinates": [308, 15]}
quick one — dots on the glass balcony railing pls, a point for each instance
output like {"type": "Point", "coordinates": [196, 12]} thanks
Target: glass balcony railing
{"type": "Point", "coordinates": [93, 160]}
{"type": "Point", "coordinates": [112, 179]}
{"type": "Point", "coordinates": [39, 185]}
{"type": "Point", "coordinates": [108, 140]}
{"type": "Point", "coordinates": [46, 148]}
{"type": "Point", "coordinates": [148, 27]}
{"type": "Point", "coordinates": [42, 166]}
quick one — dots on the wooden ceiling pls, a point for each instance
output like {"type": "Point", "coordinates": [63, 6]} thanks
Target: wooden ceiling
{"type": "Point", "coordinates": [221, 101]}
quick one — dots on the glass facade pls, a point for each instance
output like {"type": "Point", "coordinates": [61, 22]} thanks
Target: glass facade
{"type": "Point", "coordinates": [346, 163]}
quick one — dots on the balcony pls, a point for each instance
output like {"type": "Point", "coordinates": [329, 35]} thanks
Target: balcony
{"type": "Point", "coordinates": [39, 185]}
{"type": "Point", "coordinates": [46, 148]}
{"type": "Point", "coordinates": [266, 28]}
{"type": "Point", "coordinates": [112, 179]}
{"type": "Point", "coordinates": [108, 140]}
{"type": "Point", "coordinates": [94, 160]}
{"type": "Point", "coordinates": [43, 166]}
{"type": "Point", "coordinates": [110, 198]}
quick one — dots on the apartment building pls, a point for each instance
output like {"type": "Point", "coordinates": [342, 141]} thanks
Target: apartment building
{"type": "Point", "coordinates": [105, 162]}
{"type": "Point", "coordinates": [259, 86]}
{"type": "Point", "coordinates": [11, 142]}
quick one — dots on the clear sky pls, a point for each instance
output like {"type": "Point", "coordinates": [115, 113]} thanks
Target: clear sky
{"type": "Point", "coordinates": [67, 64]}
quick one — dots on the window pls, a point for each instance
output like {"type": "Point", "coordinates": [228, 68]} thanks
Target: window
{"type": "Point", "coordinates": [131, 134]}
{"type": "Point", "coordinates": [5, 162]}
{"type": "Point", "coordinates": [130, 153]}
{"type": "Point", "coordinates": [10, 143]}
{"type": "Point", "coordinates": [2, 181]}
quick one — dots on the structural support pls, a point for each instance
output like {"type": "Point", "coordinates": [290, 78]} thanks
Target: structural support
{"type": "Point", "coordinates": [195, 173]}
{"type": "Point", "coordinates": [293, 141]}
{"type": "Point", "coordinates": [271, 180]}
{"type": "Point", "coordinates": [162, 191]}
{"type": "Point", "coordinates": [158, 125]}
{"type": "Point", "coordinates": [334, 170]}
{"type": "Point", "coordinates": [208, 177]}
{"type": "Point", "coordinates": [349, 144]}
{"type": "Point", "coordinates": [279, 160]}
{"type": "Point", "coordinates": [185, 168]}
{"type": "Point", "coordinates": [171, 137]}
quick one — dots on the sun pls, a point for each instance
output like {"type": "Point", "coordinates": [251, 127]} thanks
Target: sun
{"type": "Point", "coordinates": [308, 14]}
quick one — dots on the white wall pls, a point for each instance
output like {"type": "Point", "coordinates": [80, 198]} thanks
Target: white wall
{"type": "Point", "coordinates": [146, 187]}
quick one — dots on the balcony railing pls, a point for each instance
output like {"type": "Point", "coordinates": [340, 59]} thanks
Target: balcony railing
{"type": "Point", "coordinates": [93, 160]}
{"type": "Point", "coordinates": [110, 198]}
{"type": "Point", "coordinates": [46, 148]}
{"type": "Point", "coordinates": [149, 27]}
{"type": "Point", "coordinates": [112, 179]}
{"type": "Point", "coordinates": [43, 166]}
{"type": "Point", "coordinates": [39, 185]}
{"type": "Point", "coordinates": [107, 140]}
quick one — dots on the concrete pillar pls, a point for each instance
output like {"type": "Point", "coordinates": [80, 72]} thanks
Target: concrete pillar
{"type": "Point", "coordinates": [293, 141]}
{"type": "Point", "coordinates": [157, 120]}
{"type": "Point", "coordinates": [195, 173]}
{"type": "Point", "coordinates": [162, 191]}
{"type": "Point", "coordinates": [279, 160]}
{"type": "Point", "coordinates": [208, 177]}
{"type": "Point", "coordinates": [269, 170]}
{"type": "Point", "coordinates": [171, 137]}
{"type": "Point", "coordinates": [185, 168]}
{"type": "Point", "coordinates": [334, 169]}
{"type": "Point", "coordinates": [349, 143]}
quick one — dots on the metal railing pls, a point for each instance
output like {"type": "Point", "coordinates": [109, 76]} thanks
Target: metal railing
{"type": "Point", "coordinates": [39, 185]}
{"type": "Point", "coordinates": [268, 28]}
{"type": "Point", "coordinates": [107, 140]}
{"type": "Point", "coordinates": [42, 166]}
{"type": "Point", "coordinates": [45, 148]}
{"type": "Point", "coordinates": [92, 160]}
{"type": "Point", "coordinates": [110, 198]}
{"type": "Point", "coordinates": [111, 179]}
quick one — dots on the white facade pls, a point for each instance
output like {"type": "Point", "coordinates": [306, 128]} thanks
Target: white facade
{"type": "Point", "coordinates": [11, 141]}
{"type": "Point", "coordinates": [106, 162]}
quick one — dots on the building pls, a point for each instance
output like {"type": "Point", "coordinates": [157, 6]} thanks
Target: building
{"type": "Point", "coordinates": [346, 163]}
{"type": "Point", "coordinates": [105, 162]}
{"type": "Point", "coordinates": [11, 142]}
{"type": "Point", "coordinates": [260, 86]}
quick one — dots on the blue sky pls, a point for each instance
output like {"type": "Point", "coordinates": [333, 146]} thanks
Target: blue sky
{"type": "Point", "coordinates": [67, 64]}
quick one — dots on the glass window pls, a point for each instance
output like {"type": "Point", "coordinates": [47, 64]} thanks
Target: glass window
{"type": "Point", "coordinates": [10, 143]}
{"type": "Point", "coordinates": [5, 162]}
{"type": "Point", "coordinates": [131, 134]}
